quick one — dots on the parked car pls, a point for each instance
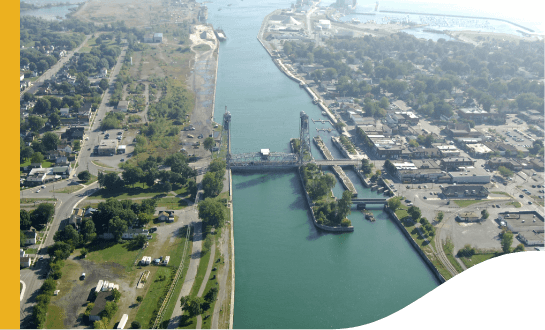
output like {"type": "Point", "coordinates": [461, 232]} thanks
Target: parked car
{"type": "Point", "coordinates": [122, 160]}
{"type": "Point", "coordinates": [529, 203]}
{"type": "Point", "coordinates": [82, 276]}
{"type": "Point", "coordinates": [37, 191]}
{"type": "Point", "coordinates": [521, 196]}
{"type": "Point", "coordinates": [497, 205]}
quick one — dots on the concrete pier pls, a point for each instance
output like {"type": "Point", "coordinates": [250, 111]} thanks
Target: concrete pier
{"type": "Point", "coordinates": [337, 169]}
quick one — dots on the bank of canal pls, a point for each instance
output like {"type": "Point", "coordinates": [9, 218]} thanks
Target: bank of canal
{"type": "Point", "coordinates": [289, 274]}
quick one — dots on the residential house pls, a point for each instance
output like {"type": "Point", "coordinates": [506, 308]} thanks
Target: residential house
{"type": "Point", "coordinates": [123, 106]}
{"type": "Point", "coordinates": [65, 112]}
{"type": "Point", "coordinates": [76, 218]}
{"type": "Point", "coordinates": [132, 233]}
{"type": "Point", "coordinates": [30, 237]}
{"type": "Point", "coordinates": [73, 133]}
{"type": "Point", "coordinates": [26, 261]}
{"type": "Point", "coordinates": [62, 161]}
{"type": "Point", "coordinates": [167, 216]}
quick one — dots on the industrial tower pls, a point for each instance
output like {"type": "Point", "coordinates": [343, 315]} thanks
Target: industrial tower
{"type": "Point", "coordinates": [304, 136]}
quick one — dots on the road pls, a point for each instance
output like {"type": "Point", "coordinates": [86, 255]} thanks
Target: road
{"type": "Point", "coordinates": [53, 70]}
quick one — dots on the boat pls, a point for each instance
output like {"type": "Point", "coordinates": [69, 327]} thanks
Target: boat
{"type": "Point", "coordinates": [220, 34]}
{"type": "Point", "coordinates": [219, 9]}
{"type": "Point", "coordinates": [324, 113]}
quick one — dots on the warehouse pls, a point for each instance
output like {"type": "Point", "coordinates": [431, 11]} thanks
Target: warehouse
{"type": "Point", "coordinates": [468, 177]}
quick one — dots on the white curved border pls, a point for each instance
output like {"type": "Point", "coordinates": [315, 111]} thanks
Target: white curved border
{"type": "Point", "coordinates": [22, 291]}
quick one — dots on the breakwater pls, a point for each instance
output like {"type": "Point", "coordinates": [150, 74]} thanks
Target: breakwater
{"type": "Point", "coordinates": [458, 16]}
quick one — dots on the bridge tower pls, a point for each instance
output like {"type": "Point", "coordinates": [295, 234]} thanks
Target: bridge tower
{"type": "Point", "coordinates": [304, 136]}
{"type": "Point", "coordinates": [226, 126]}
{"type": "Point", "coordinates": [226, 119]}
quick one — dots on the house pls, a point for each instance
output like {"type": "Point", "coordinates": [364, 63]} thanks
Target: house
{"type": "Point", "coordinates": [25, 259]}
{"type": "Point", "coordinates": [89, 212]}
{"type": "Point", "coordinates": [30, 237]}
{"type": "Point", "coordinates": [148, 38]}
{"type": "Point", "coordinates": [103, 72]}
{"type": "Point", "coordinates": [73, 133]}
{"type": "Point", "coordinates": [132, 233]}
{"type": "Point", "coordinates": [100, 302]}
{"type": "Point", "coordinates": [157, 37]}
{"type": "Point", "coordinates": [65, 112]}
{"type": "Point", "coordinates": [76, 218]}
{"type": "Point", "coordinates": [167, 216]}
{"type": "Point", "coordinates": [37, 176]}
{"type": "Point", "coordinates": [123, 106]}
{"type": "Point", "coordinates": [61, 161]}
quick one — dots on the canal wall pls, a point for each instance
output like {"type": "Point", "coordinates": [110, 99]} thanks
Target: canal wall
{"type": "Point", "coordinates": [309, 202]}
{"type": "Point", "coordinates": [232, 307]}
{"type": "Point", "coordinates": [363, 179]}
{"type": "Point", "coordinates": [337, 143]}
{"type": "Point", "coordinates": [348, 185]}
{"type": "Point", "coordinates": [415, 245]}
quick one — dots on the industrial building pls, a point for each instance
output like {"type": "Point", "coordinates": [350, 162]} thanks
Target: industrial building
{"type": "Point", "coordinates": [479, 150]}
{"type": "Point", "coordinates": [529, 225]}
{"type": "Point", "coordinates": [121, 149]}
{"type": "Point", "coordinates": [468, 177]}
{"type": "Point", "coordinates": [465, 191]}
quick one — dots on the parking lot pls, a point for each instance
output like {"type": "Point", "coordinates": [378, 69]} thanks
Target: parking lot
{"type": "Point", "coordinates": [125, 138]}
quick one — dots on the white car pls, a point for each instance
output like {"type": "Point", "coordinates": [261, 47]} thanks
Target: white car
{"type": "Point", "coordinates": [43, 186]}
{"type": "Point", "coordinates": [37, 191]}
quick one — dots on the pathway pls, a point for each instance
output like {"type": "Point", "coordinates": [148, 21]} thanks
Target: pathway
{"type": "Point", "coordinates": [223, 273]}
{"type": "Point", "coordinates": [205, 279]}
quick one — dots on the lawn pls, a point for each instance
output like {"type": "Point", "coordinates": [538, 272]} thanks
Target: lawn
{"type": "Point", "coordinates": [126, 193]}
{"type": "Point", "coordinates": [172, 203]}
{"type": "Point", "coordinates": [500, 193]}
{"type": "Point", "coordinates": [45, 163]}
{"type": "Point", "coordinates": [147, 309]}
{"type": "Point", "coordinates": [98, 163]}
{"type": "Point", "coordinates": [447, 248]}
{"type": "Point", "coordinates": [31, 251]}
{"type": "Point", "coordinates": [202, 47]}
{"type": "Point", "coordinates": [477, 258]}
{"type": "Point", "coordinates": [68, 190]}
{"type": "Point", "coordinates": [515, 204]}
{"type": "Point", "coordinates": [32, 200]}
{"type": "Point", "coordinates": [120, 253]}
{"type": "Point", "coordinates": [54, 318]}
{"type": "Point", "coordinates": [91, 180]}
{"type": "Point", "coordinates": [182, 191]}
{"type": "Point", "coordinates": [467, 202]}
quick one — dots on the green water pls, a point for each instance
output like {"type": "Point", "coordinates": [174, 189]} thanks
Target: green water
{"type": "Point", "coordinates": [289, 274]}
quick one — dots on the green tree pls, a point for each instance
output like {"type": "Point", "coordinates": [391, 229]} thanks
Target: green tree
{"type": "Point", "coordinates": [84, 252]}
{"type": "Point", "coordinates": [366, 166]}
{"type": "Point", "coordinates": [116, 294]}
{"type": "Point", "coordinates": [41, 215]}
{"type": "Point", "coordinates": [506, 241]}
{"type": "Point", "coordinates": [211, 211]}
{"type": "Point", "coordinates": [84, 176]}
{"type": "Point", "coordinates": [112, 181]}
{"type": "Point", "coordinates": [60, 250]}
{"type": "Point", "coordinates": [55, 120]}
{"type": "Point", "coordinates": [88, 230]}
{"type": "Point", "coordinates": [519, 248]}
{"type": "Point", "coordinates": [42, 106]}
{"type": "Point", "coordinates": [144, 218]}
{"type": "Point", "coordinates": [415, 212]}
{"type": "Point", "coordinates": [117, 227]}
{"type": "Point", "coordinates": [504, 171]}
{"type": "Point", "coordinates": [212, 183]}
{"type": "Point", "coordinates": [68, 235]}
{"type": "Point", "coordinates": [209, 143]}
{"type": "Point", "coordinates": [343, 205]}
{"type": "Point", "coordinates": [103, 84]}
{"type": "Point", "coordinates": [35, 123]}
{"type": "Point", "coordinates": [413, 143]}
{"type": "Point", "coordinates": [26, 153]}
{"type": "Point", "coordinates": [195, 306]}
{"type": "Point", "coordinates": [440, 216]}
{"type": "Point", "coordinates": [37, 157]}
{"type": "Point", "coordinates": [50, 141]}
{"type": "Point", "coordinates": [132, 175]}
{"type": "Point", "coordinates": [485, 214]}
{"type": "Point", "coordinates": [211, 295]}
{"type": "Point", "coordinates": [394, 204]}
{"type": "Point", "coordinates": [25, 222]}
{"type": "Point", "coordinates": [135, 325]}
{"type": "Point", "coordinates": [139, 299]}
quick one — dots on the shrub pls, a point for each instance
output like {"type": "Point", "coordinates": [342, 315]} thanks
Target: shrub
{"type": "Point", "coordinates": [346, 223]}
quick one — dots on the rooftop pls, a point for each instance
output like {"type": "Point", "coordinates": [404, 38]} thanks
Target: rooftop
{"type": "Point", "coordinates": [473, 111]}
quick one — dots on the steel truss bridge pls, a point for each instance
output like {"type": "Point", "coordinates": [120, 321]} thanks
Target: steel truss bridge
{"type": "Point", "coordinates": [279, 160]}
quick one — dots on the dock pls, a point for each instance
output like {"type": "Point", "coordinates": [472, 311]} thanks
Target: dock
{"type": "Point", "coordinates": [348, 185]}
{"type": "Point", "coordinates": [323, 121]}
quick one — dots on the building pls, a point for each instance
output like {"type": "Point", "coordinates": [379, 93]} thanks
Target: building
{"type": "Point", "coordinates": [102, 298]}
{"type": "Point", "coordinates": [76, 218]}
{"type": "Point", "coordinates": [461, 130]}
{"type": "Point", "coordinates": [64, 148]}
{"type": "Point", "coordinates": [26, 261]}
{"type": "Point", "coordinates": [325, 24]}
{"type": "Point", "coordinates": [537, 164]}
{"type": "Point", "coordinates": [468, 217]}
{"type": "Point", "coordinates": [468, 177]}
{"type": "Point", "coordinates": [502, 148]}
{"type": "Point", "coordinates": [476, 114]}
{"type": "Point", "coordinates": [148, 38]}
{"type": "Point", "coordinates": [521, 221]}
{"type": "Point", "coordinates": [30, 237]}
{"type": "Point", "coordinates": [123, 106]}
{"type": "Point", "coordinates": [123, 321]}
{"type": "Point", "coordinates": [107, 147]}
{"type": "Point", "coordinates": [65, 112]}
{"type": "Point", "coordinates": [145, 260]}
{"type": "Point", "coordinates": [449, 164]}
{"type": "Point", "coordinates": [476, 191]}
{"type": "Point", "coordinates": [121, 149]}
{"type": "Point", "coordinates": [73, 133]}
{"type": "Point", "coordinates": [479, 150]}
{"type": "Point", "coordinates": [157, 37]}
{"type": "Point", "coordinates": [167, 216]}
{"type": "Point", "coordinates": [511, 164]}
{"type": "Point", "coordinates": [132, 233]}
{"type": "Point", "coordinates": [448, 151]}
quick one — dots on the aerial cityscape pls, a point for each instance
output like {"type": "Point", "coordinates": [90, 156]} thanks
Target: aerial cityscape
{"type": "Point", "coordinates": [355, 154]}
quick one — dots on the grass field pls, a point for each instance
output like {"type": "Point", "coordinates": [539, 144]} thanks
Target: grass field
{"type": "Point", "coordinates": [172, 203]}
{"type": "Point", "coordinates": [45, 163]}
{"type": "Point", "coordinates": [68, 190]}
{"type": "Point", "coordinates": [447, 248]}
{"type": "Point", "coordinates": [467, 202]}
{"type": "Point", "coordinates": [515, 204]}
{"type": "Point", "coordinates": [500, 193]}
{"type": "Point", "coordinates": [112, 252]}
{"type": "Point", "coordinates": [55, 317]}
{"type": "Point", "coordinates": [126, 193]}
{"type": "Point", "coordinates": [98, 163]}
{"type": "Point", "coordinates": [156, 291]}
{"type": "Point", "coordinates": [91, 180]}
{"type": "Point", "coordinates": [476, 259]}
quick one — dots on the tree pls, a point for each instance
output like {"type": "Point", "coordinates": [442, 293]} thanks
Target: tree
{"type": "Point", "coordinates": [55, 120]}
{"type": "Point", "coordinates": [37, 157]}
{"type": "Point", "coordinates": [144, 218]}
{"type": "Point", "coordinates": [139, 241]}
{"type": "Point", "coordinates": [415, 212]}
{"type": "Point", "coordinates": [103, 84]}
{"type": "Point", "coordinates": [148, 206]}
{"type": "Point", "coordinates": [394, 204]}
{"type": "Point", "coordinates": [50, 141]}
{"type": "Point", "coordinates": [117, 227]}
{"type": "Point", "coordinates": [25, 222]}
{"type": "Point", "coordinates": [211, 295]}
{"type": "Point", "coordinates": [132, 175]}
{"type": "Point", "coordinates": [42, 106]}
{"type": "Point", "coordinates": [41, 215]}
{"type": "Point", "coordinates": [112, 181]}
{"type": "Point", "coordinates": [84, 176]}
{"type": "Point", "coordinates": [504, 171]}
{"type": "Point", "coordinates": [217, 165]}
{"type": "Point", "coordinates": [100, 324]}
{"type": "Point", "coordinates": [84, 252]}
{"type": "Point", "coordinates": [366, 166]}
{"type": "Point", "coordinates": [166, 187]}
{"type": "Point", "coordinates": [413, 143]}
{"type": "Point", "coordinates": [68, 235]}
{"type": "Point", "coordinates": [26, 153]}
{"type": "Point", "coordinates": [519, 248]}
{"type": "Point", "coordinates": [467, 251]}
{"type": "Point", "coordinates": [139, 299]}
{"type": "Point", "coordinates": [211, 212]}
{"type": "Point", "coordinates": [35, 123]}
{"type": "Point", "coordinates": [209, 143]}
{"type": "Point", "coordinates": [440, 216]}
{"type": "Point", "coordinates": [506, 241]}
{"type": "Point", "coordinates": [212, 183]}
{"type": "Point", "coordinates": [195, 306]}
{"type": "Point", "coordinates": [343, 205]}
{"type": "Point", "coordinates": [135, 324]}
{"type": "Point", "coordinates": [485, 214]}
{"type": "Point", "coordinates": [60, 250]}
{"type": "Point", "coordinates": [116, 294]}
{"type": "Point", "coordinates": [88, 230]}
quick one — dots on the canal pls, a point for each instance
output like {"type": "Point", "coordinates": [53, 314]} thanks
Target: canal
{"type": "Point", "coordinates": [289, 274]}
